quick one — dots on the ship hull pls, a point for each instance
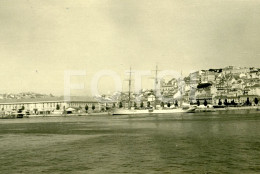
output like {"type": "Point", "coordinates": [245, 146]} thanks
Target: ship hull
{"type": "Point", "coordinates": [150, 111]}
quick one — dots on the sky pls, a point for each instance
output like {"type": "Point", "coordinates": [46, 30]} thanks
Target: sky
{"type": "Point", "coordinates": [41, 40]}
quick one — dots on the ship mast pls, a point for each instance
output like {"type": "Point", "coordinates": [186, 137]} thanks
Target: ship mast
{"type": "Point", "coordinates": [156, 79]}
{"type": "Point", "coordinates": [155, 84]}
{"type": "Point", "coordinates": [181, 89]}
{"type": "Point", "coordinates": [129, 87]}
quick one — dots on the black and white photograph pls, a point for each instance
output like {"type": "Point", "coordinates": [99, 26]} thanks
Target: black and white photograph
{"type": "Point", "coordinates": [129, 86]}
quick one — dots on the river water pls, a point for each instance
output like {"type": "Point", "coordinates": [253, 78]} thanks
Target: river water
{"type": "Point", "coordinates": [219, 142]}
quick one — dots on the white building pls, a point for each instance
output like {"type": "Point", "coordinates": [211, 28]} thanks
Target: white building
{"type": "Point", "coordinates": [37, 105]}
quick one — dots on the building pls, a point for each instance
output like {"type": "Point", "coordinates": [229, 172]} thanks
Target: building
{"type": "Point", "coordinates": [208, 76]}
{"type": "Point", "coordinates": [195, 77]}
{"type": "Point", "coordinates": [47, 105]}
{"type": "Point", "coordinates": [254, 90]}
{"type": "Point", "coordinates": [168, 86]}
{"type": "Point", "coordinates": [235, 70]}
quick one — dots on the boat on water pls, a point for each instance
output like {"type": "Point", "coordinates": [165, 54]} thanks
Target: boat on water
{"type": "Point", "coordinates": [17, 115]}
{"type": "Point", "coordinates": [151, 111]}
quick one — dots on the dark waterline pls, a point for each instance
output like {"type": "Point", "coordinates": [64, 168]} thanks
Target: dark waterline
{"type": "Point", "coordinates": [219, 142]}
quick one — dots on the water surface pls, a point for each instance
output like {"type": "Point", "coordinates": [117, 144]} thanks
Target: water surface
{"type": "Point", "coordinates": [219, 142]}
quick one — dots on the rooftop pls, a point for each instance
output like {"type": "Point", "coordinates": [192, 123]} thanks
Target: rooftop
{"type": "Point", "coordinates": [49, 99]}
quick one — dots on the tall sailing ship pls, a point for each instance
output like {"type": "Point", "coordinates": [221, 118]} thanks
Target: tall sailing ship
{"type": "Point", "coordinates": [152, 110]}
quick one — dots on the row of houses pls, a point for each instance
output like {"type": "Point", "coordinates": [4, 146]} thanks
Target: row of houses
{"type": "Point", "coordinates": [231, 85]}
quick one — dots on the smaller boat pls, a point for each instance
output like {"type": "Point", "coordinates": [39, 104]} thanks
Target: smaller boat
{"type": "Point", "coordinates": [17, 115]}
{"type": "Point", "coordinates": [191, 110]}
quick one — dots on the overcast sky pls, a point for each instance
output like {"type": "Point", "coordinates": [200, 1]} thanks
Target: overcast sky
{"type": "Point", "coordinates": [40, 39]}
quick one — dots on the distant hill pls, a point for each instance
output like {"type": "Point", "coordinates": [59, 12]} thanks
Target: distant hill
{"type": "Point", "coordinates": [24, 95]}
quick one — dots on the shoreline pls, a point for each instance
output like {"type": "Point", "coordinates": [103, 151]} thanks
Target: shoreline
{"type": "Point", "coordinates": [54, 115]}
{"type": "Point", "coordinates": [68, 115]}
{"type": "Point", "coordinates": [228, 109]}
{"type": "Point", "coordinates": [198, 110]}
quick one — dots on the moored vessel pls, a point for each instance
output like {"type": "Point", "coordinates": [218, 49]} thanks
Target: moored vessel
{"type": "Point", "coordinates": [151, 111]}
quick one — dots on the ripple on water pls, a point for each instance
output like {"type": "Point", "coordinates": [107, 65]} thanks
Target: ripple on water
{"type": "Point", "coordinates": [199, 143]}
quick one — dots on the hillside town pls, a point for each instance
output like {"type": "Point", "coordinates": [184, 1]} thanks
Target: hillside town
{"type": "Point", "coordinates": [229, 86]}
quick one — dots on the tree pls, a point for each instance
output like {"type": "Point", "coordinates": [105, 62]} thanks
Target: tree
{"type": "Point", "coordinates": [64, 110]}
{"type": "Point", "coordinates": [198, 102]}
{"type": "Point", "coordinates": [142, 104]}
{"type": "Point", "coordinates": [86, 108]}
{"type": "Point", "coordinates": [57, 107]}
{"type": "Point", "coordinates": [148, 104]}
{"type": "Point", "coordinates": [219, 102]}
{"type": "Point", "coordinates": [135, 104]}
{"type": "Point", "coordinates": [256, 101]}
{"type": "Point", "coordinates": [22, 107]}
{"type": "Point", "coordinates": [93, 107]}
{"type": "Point", "coordinates": [204, 85]}
{"type": "Point", "coordinates": [162, 104]}
{"type": "Point", "coordinates": [233, 102]}
{"type": "Point", "coordinates": [247, 101]}
{"type": "Point", "coordinates": [226, 102]}
{"type": "Point", "coordinates": [168, 104]}
{"type": "Point", "coordinates": [176, 103]}
{"type": "Point", "coordinates": [120, 105]}
{"type": "Point", "coordinates": [205, 103]}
